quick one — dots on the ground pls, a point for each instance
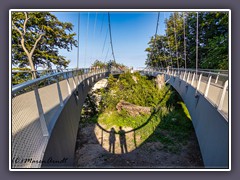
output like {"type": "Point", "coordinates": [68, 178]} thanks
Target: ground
{"type": "Point", "coordinates": [93, 145]}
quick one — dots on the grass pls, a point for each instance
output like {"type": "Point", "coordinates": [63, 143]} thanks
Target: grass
{"type": "Point", "coordinates": [113, 118]}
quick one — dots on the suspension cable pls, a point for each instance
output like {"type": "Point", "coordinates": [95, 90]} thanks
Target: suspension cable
{"type": "Point", "coordinates": [158, 52]}
{"type": "Point", "coordinates": [110, 33]}
{"type": "Point", "coordinates": [197, 45]}
{"type": "Point", "coordinates": [185, 54]}
{"type": "Point", "coordinates": [94, 30]}
{"type": "Point", "coordinates": [78, 40]}
{"type": "Point", "coordinates": [95, 23]}
{"type": "Point", "coordinates": [170, 51]}
{"type": "Point", "coordinates": [175, 34]}
{"type": "Point", "coordinates": [105, 41]}
{"type": "Point", "coordinates": [164, 50]}
{"type": "Point", "coordinates": [106, 54]}
{"type": "Point", "coordinates": [154, 43]}
{"type": "Point", "coordinates": [102, 24]}
{"type": "Point", "coordinates": [86, 40]}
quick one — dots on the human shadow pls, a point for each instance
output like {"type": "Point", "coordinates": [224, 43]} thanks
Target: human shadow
{"type": "Point", "coordinates": [122, 140]}
{"type": "Point", "coordinates": [112, 139]}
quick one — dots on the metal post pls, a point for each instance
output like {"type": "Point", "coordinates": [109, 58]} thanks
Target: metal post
{"type": "Point", "coordinates": [184, 75]}
{"type": "Point", "coordinates": [193, 78]}
{"type": "Point", "coordinates": [188, 76]}
{"type": "Point", "coordinates": [223, 95]}
{"type": "Point", "coordinates": [68, 85]}
{"type": "Point", "coordinates": [217, 78]}
{"type": "Point", "coordinates": [208, 85]}
{"type": "Point", "coordinates": [74, 83]}
{"type": "Point", "coordinates": [59, 93]}
{"type": "Point", "coordinates": [199, 81]}
{"type": "Point", "coordinates": [78, 76]}
{"type": "Point", "coordinates": [41, 113]}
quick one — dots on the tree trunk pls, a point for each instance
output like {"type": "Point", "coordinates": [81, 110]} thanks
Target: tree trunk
{"type": "Point", "coordinates": [34, 76]}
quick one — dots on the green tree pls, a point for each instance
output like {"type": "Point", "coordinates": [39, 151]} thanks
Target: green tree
{"type": "Point", "coordinates": [37, 38]}
{"type": "Point", "coordinates": [212, 44]}
{"type": "Point", "coordinates": [21, 76]}
{"type": "Point", "coordinates": [100, 64]}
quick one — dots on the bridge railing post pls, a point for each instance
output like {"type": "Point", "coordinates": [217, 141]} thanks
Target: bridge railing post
{"type": "Point", "coordinates": [188, 77]}
{"type": "Point", "coordinates": [217, 78]}
{"type": "Point", "coordinates": [199, 82]}
{"type": "Point", "coordinates": [208, 85]}
{"type": "Point", "coordinates": [184, 75]}
{"type": "Point", "coordinates": [68, 84]}
{"type": "Point", "coordinates": [193, 78]}
{"type": "Point", "coordinates": [59, 92]}
{"type": "Point", "coordinates": [78, 71]}
{"type": "Point", "coordinates": [220, 106]}
{"type": "Point", "coordinates": [180, 74]}
{"type": "Point", "coordinates": [74, 82]}
{"type": "Point", "coordinates": [41, 113]}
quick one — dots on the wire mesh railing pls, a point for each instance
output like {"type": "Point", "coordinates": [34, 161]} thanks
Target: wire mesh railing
{"type": "Point", "coordinates": [213, 85]}
{"type": "Point", "coordinates": [36, 104]}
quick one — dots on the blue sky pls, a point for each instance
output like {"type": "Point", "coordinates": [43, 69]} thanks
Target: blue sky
{"type": "Point", "coordinates": [131, 32]}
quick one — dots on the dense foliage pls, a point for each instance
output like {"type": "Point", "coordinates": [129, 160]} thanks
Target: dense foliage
{"type": "Point", "coordinates": [132, 88]}
{"type": "Point", "coordinates": [20, 77]}
{"type": "Point", "coordinates": [168, 49]}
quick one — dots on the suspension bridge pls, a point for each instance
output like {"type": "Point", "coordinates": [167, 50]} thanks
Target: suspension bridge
{"type": "Point", "coordinates": [46, 112]}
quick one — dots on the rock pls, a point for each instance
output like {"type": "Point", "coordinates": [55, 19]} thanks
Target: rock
{"type": "Point", "coordinates": [160, 81]}
{"type": "Point", "coordinates": [135, 79]}
{"type": "Point", "coordinates": [100, 84]}
{"type": "Point", "coordinates": [132, 109]}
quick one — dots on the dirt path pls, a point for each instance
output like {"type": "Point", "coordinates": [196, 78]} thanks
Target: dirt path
{"type": "Point", "coordinates": [93, 152]}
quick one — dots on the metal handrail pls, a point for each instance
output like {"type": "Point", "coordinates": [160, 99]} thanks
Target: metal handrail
{"type": "Point", "coordinates": [21, 86]}
{"type": "Point", "coordinates": [203, 71]}
{"type": "Point", "coordinates": [190, 70]}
